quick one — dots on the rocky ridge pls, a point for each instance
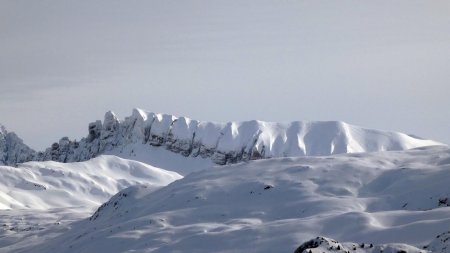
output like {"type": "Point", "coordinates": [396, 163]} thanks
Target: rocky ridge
{"type": "Point", "coordinates": [12, 149]}
{"type": "Point", "coordinates": [227, 142]}
{"type": "Point", "coordinates": [221, 142]}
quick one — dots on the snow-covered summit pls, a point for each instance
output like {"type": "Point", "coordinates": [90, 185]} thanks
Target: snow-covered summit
{"type": "Point", "coordinates": [226, 142]}
{"type": "Point", "coordinates": [12, 148]}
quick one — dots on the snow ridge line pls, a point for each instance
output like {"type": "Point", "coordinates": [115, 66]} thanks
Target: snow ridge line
{"type": "Point", "coordinates": [227, 142]}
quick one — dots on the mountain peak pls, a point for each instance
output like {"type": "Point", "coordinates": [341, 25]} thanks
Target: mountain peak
{"type": "Point", "coordinates": [139, 113]}
{"type": "Point", "coordinates": [3, 130]}
{"type": "Point", "coordinates": [12, 148]}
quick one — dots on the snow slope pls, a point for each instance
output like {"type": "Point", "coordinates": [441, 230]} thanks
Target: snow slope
{"type": "Point", "coordinates": [162, 158]}
{"type": "Point", "coordinates": [225, 142]}
{"type": "Point", "coordinates": [43, 185]}
{"type": "Point", "coordinates": [322, 244]}
{"type": "Point", "coordinates": [395, 200]}
{"type": "Point", "coordinates": [39, 200]}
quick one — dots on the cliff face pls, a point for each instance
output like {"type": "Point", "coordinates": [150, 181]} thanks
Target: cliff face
{"type": "Point", "coordinates": [226, 142]}
{"type": "Point", "coordinates": [12, 149]}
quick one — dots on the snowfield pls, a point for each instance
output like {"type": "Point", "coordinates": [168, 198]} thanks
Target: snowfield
{"type": "Point", "coordinates": [391, 201]}
{"type": "Point", "coordinates": [39, 200]}
{"type": "Point", "coordinates": [43, 185]}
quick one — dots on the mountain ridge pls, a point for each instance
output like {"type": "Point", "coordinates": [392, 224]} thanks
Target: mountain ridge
{"type": "Point", "coordinates": [224, 143]}
{"type": "Point", "coordinates": [228, 142]}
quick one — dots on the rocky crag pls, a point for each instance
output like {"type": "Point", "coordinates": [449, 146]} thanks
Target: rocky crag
{"type": "Point", "coordinates": [13, 150]}
{"type": "Point", "coordinates": [226, 142]}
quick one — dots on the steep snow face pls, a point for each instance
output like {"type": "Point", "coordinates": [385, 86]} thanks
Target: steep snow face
{"type": "Point", "coordinates": [383, 199]}
{"type": "Point", "coordinates": [12, 149]}
{"type": "Point", "coordinates": [226, 143]}
{"type": "Point", "coordinates": [45, 185]}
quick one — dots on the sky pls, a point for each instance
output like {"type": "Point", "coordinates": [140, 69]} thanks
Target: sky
{"type": "Point", "coordinates": [377, 64]}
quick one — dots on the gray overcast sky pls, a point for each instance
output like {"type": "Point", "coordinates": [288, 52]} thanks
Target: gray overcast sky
{"type": "Point", "coordinates": [378, 64]}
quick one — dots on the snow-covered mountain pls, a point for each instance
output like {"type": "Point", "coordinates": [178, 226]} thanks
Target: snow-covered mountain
{"type": "Point", "coordinates": [12, 149]}
{"type": "Point", "coordinates": [220, 143]}
{"type": "Point", "coordinates": [225, 142]}
{"type": "Point", "coordinates": [40, 200]}
{"type": "Point", "coordinates": [393, 201]}
{"type": "Point", "coordinates": [44, 185]}
{"type": "Point", "coordinates": [390, 201]}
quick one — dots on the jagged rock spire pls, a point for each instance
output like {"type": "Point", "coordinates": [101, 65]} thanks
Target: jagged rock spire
{"type": "Point", "coordinates": [12, 149]}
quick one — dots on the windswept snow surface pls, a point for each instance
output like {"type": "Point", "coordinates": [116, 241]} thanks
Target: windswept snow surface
{"type": "Point", "coordinates": [43, 185]}
{"type": "Point", "coordinates": [224, 143]}
{"type": "Point", "coordinates": [162, 158]}
{"type": "Point", "coordinates": [396, 199]}
{"type": "Point", "coordinates": [39, 200]}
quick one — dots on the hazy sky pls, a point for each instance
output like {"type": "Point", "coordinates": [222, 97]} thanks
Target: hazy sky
{"type": "Point", "coordinates": [377, 64]}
